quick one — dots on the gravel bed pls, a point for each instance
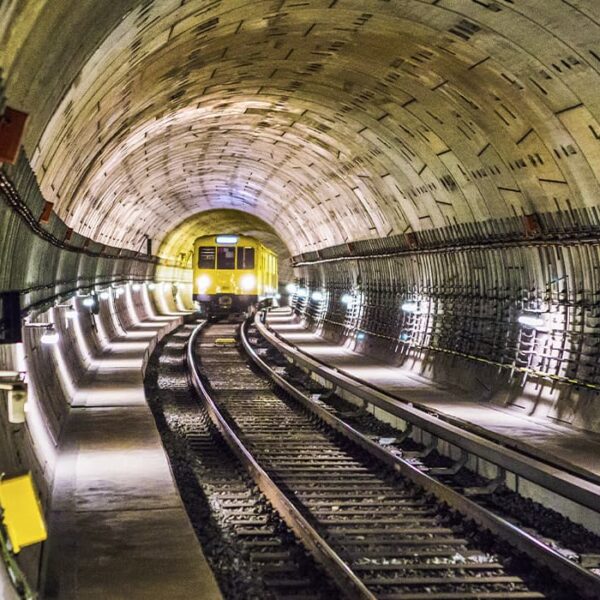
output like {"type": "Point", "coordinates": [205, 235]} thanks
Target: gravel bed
{"type": "Point", "coordinates": [210, 477]}
{"type": "Point", "coordinates": [569, 538]}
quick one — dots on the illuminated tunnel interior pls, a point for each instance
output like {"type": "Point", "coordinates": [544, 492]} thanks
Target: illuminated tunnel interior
{"type": "Point", "coordinates": [430, 168]}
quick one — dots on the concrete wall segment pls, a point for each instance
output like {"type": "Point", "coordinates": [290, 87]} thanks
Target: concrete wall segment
{"type": "Point", "coordinates": [469, 304]}
{"type": "Point", "coordinates": [57, 375]}
{"type": "Point", "coordinates": [383, 116]}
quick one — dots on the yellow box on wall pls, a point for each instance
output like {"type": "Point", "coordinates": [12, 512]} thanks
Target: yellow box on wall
{"type": "Point", "coordinates": [22, 512]}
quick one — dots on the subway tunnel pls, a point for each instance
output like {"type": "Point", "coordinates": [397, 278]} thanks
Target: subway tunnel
{"type": "Point", "coordinates": [427, 171]}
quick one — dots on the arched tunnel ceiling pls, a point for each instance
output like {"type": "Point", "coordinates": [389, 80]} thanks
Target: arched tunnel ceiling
{"type": "Point", "coordinates": [179, 242]}
{"type": "Point", "coordinates": [331, 120]}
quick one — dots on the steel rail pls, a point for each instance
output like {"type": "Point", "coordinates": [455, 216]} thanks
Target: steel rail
{"type": "Point", "coordinates": [554, 478]}
{"type": "Point", "coordinates": [348, 582]}
{"type": "Point", "coordinates": [586, 582]}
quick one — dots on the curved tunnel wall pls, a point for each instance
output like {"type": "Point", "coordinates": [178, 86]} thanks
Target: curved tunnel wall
{"type": "Point", "coordinates": [60, 376]}
{"type": "Point", "coordinates": [333, 121]}
{"type": "Point", "coordinates": [465, 304]}
{"type": "Point", "coordinates": [411, 123]}
{"type": "Point", "coordinates": [44, 258]}
{"type": "Point", "coordinates": [458, 122]}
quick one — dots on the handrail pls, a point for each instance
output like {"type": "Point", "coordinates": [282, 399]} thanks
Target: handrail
{"type": "Point", "coordinates": [350, 585]}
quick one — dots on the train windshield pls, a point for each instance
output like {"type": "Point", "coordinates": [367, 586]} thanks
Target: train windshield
{"type": "Point", "coordinates": [225, 258]}
{"type": "Point", "coordinates": [245, 258]}
{"type": "Point", "coordinates": [206, 257]}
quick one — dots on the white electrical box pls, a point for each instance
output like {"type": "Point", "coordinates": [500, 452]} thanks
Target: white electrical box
{"type": "Point", "coordinates": [17, 398]}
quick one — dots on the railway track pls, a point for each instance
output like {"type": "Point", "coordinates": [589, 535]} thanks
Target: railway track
{"type": "Point", "coordinates": [251, 551]}
{"type": "Point", "coordinates": [373, 528]}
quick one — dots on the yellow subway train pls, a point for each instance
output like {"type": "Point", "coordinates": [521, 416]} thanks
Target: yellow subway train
{"type": "Point", "coordinates": [232, 273]}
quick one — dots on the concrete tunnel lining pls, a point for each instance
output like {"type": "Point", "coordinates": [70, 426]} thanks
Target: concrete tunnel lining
{"type": "Point", "coordinates": [444, 152]}
{"type": "Point", "coordinates": [316, 113]}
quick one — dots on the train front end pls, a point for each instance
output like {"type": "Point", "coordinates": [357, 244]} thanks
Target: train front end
{"type": "Point", "coordinates": [232, 273]}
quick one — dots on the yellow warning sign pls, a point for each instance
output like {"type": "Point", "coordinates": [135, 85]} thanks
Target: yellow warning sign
{"type": "Point", "coordinates": [22, 512]}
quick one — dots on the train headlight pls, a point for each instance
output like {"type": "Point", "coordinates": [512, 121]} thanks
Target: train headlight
{"type": "Point", "coordinates": [247, 282]}
{"type": "Point", "coordinates": [203, 282]}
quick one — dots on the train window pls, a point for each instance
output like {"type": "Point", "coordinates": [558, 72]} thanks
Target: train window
{"type": "Point", "coordinates": [225, 258]}
{"type": "Point", "coordinates": [245, 258]}
{"type": "Point", "coordinates": [206, 257]}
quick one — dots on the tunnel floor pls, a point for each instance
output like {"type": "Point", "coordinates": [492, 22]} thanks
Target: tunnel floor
{"type": "Point", "coordinates": [118, 528]}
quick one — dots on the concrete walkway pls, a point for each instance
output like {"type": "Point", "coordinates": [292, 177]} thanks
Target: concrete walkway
{"type": "Point", "coordinates": [552, 442]}
{"type": "Point", "coordinates": [118, 528]}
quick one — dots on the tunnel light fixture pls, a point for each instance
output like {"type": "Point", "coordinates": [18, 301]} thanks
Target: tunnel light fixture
{"type": "Point", "coordinates": [50, 336]}
{"type": "Point", "coordinates": [361, 335]}
{"type": "Point", "coordinates": [227, 239]}
{"type": "Point", "coordinates": [317, 296]}
{"type": "Point", "coordinates": [14, 383]}
{"type": "Point", "coordinates": [136, 287]}
{"type": "Point", "coordinates": [92, 303]}
{"type": "Point", "coordinates": [410, 307]}
{"type": "Point", "coordinates": [17, 405]}
{"type": "Point", "coordinates": [302, 293]}
{"type": "Point", "coordinates": [291, 288]}
{"type": "Point", "coordinates": [151, 286]}
{"type": "Point", "coordinates": [532, 320]}
{"type": "Point", "coordinates": [104, 295]}
{"type": "Point", "coordinates": [71, 314]}
{"type": "Point", "coordinates": [405, 336]}
{"type": "Point", "coordinates": [277, 296]}
{"type": "Point", "coordinates": [12, 375]}
{"type": "Point", "coordinates": [347, 299]}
